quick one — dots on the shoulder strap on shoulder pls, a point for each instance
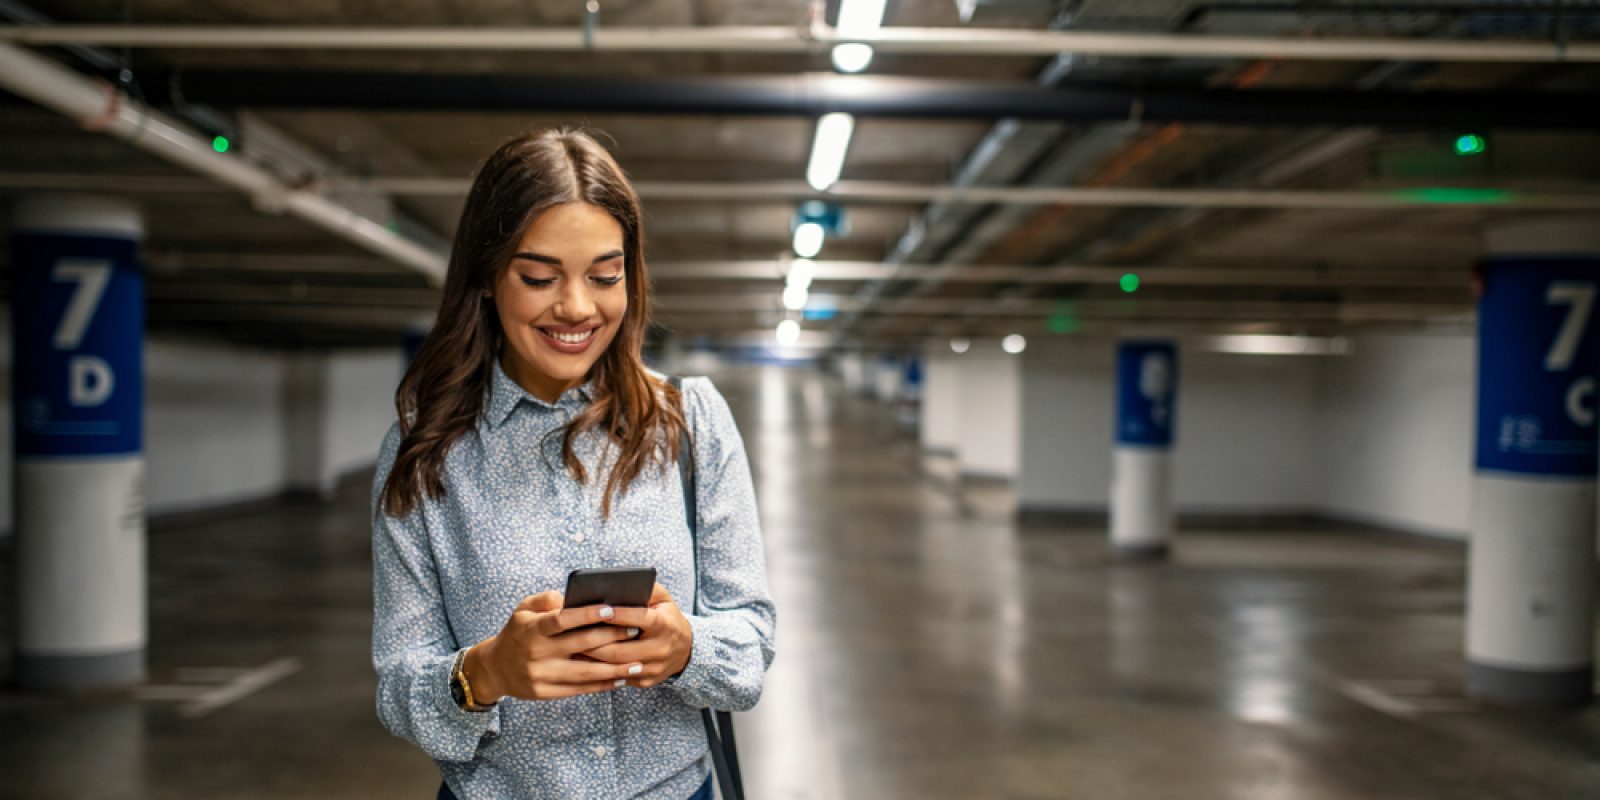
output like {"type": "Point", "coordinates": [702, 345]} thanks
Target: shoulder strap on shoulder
{"type": "Point", "coordinates": [719, 729]}
{"type": "Point", "coordinates": [686, 474]}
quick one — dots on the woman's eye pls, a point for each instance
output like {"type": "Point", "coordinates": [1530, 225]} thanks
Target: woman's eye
{"type": "Point", "coordinates": [537, 282]}
{"type": "Point", "coordinates": [609, 281]}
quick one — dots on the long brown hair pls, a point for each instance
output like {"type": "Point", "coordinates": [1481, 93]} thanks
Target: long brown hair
{"type": "Point", "coordinates": [441, 395]}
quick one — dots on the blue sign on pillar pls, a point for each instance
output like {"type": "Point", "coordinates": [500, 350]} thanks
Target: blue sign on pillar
{"type": "Point", "coordinates": [1538, 360]}
{"type": "Point", "coordinates": [1147, 382]}
{"type": "Point", "coordinates": [78, 323]}
{"type": "Point", "coordinates": [914, 373]}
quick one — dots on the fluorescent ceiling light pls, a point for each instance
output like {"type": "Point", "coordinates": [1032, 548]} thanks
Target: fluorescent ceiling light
{"type": "Point", "coordinates": [794, 297]}
{"type": "Point", "coordinates": [1264, 344]}
{"type": "Point", "coordinates": [801, 272]}
{"type": "Point", "coordinates": [852, 56]}
{"type": "Point", "coordinates": [788, 332]}
{"type": "Point", "coordinates": [828, 149]}
{"type": "Point", "coordinates": [858, 17]}
{"type": "Point", "coordinates": [1014, 343]}
{"type": "Point", "coordinates": [808, 239]}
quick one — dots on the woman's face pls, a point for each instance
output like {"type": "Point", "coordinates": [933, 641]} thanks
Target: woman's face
{"type": "Point", "coordinates": [561, 298]}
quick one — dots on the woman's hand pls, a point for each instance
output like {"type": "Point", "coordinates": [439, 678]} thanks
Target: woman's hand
{"type": "Point", "coordinates": [532, 656]}
{"type": "Point", "coordinates": [663, 645]}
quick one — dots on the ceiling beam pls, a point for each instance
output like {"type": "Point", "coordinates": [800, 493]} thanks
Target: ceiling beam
{"type": "Point", "coordinates": [1429, 198]}
{"type": "Point", "coordinates": [815, 39]}
{"type": "Point", "coordinates": [98, 106]}
{"type": "Point", "coordinates": [813, 94]}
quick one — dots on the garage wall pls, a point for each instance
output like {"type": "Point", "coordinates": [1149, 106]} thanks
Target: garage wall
{"type": "Point", "coordinates": [1395, 433]}
{"type": "Point", "coordinates": [1243, 438]}
{"type": "Point", "coordinates": [226, 424]}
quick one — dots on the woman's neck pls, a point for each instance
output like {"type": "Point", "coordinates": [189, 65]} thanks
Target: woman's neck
{"type": "Point", "coordinates": [532, 381]}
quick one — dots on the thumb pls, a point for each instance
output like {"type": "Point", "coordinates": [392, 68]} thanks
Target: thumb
{"type": "Point", "coordinates": [543, 602]}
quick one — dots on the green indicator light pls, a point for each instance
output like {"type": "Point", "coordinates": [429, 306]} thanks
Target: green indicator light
{"type": "Point", "coordinates": [220, 144]}
{"type": "Point", "coordinates": [1064, 320]}
{"type": "Point", "coordinates": [1130, 283]}
{"type": "Point", "coordinates": [1470, 144]}
{"type": "Point", "coordinates": [1456, 196]}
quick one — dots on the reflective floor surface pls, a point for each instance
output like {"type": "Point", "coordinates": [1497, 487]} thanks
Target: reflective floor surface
{"type": "Point", "coordinates": [930, 646]}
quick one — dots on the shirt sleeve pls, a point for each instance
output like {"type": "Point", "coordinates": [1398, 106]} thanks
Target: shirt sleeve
{"type": "Point", "coordinates": [735, 622]}
{"type": "Point", "coordinates": [413, 647]}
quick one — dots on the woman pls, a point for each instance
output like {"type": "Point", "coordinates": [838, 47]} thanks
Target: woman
{"type": "Point", "coordinates": [532, 441]}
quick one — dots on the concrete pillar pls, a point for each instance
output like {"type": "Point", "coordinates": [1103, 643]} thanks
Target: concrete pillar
{"type": "Point", "coordinates": [990, 441]}
{"type": "Point", "coordinates": [1141, 462]}
{"type": "Point", "coordinates": [940, 422]}
{"type": "Point", "coordinates": [887, 375]}
{"type": "Point", "coordinates": [305, 418]}
{"type": "Point", "coordinates": [78, 399]}
{"type": "Point", "coordinates": [1531, 576]}
{"type": "Point", "coordinates": [853, 370]}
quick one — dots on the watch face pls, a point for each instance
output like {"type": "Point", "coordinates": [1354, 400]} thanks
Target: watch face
{"type": "Point", "coordinates": [457, 693]}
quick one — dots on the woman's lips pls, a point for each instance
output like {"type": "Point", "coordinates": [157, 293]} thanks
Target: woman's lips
{"type": "Point", "coordinates": [567, 341]}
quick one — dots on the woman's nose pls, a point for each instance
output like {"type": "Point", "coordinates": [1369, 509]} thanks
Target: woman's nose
{"type": "Point", "coordinates": [575, 304]}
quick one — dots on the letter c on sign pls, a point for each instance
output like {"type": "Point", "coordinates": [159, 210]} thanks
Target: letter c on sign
{"type": "Point", "coordinates": [1580, 411]}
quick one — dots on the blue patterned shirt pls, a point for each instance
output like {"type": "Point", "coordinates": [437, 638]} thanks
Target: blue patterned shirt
{"type": "Point", "coordinates": [513, 522]}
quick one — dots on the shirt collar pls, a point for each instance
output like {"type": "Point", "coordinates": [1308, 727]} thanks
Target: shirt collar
{"type": "Point", "coordinates": [505, 394]}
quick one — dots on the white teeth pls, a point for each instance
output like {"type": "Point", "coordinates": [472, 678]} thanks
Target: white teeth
{"type": "Point", "coordinates": [571, 338]}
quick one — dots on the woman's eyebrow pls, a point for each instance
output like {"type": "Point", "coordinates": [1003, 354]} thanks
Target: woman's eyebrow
{"type": "Point", "coordinates": [539, 257]}
{"type": "Point", "coordinates": [556, 262]}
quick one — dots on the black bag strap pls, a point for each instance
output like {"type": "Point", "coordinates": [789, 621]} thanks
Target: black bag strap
{"type": "Point", "coordinates": [719, 727]}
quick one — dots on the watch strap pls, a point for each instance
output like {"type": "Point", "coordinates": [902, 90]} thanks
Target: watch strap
{"type": "Point", "coordinates": [460, 687]}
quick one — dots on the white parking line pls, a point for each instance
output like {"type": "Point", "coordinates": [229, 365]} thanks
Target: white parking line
{"type": "Point", "coordinates": [235, 684]}
{"type": "Point", "coordinates": [1377, 700]}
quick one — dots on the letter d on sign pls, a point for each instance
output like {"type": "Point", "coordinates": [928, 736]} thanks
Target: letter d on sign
{"type": "Point", "coordinates": [89, 381]}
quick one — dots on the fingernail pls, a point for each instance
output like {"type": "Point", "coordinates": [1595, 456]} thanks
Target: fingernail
{"type": "Point", "coordinates": [620, 683]}
{"type": "Point", "coordinates": [607, 612]}
{"type": "Point", "coordinates": [633, 631]}
{"type": "Point", "coordinates": [635, 669]}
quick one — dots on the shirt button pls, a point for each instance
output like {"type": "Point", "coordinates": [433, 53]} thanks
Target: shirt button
{"type": "Point", "coordinates": [577, 537]}
{"type": "Point", "coordinates": [600, 750]}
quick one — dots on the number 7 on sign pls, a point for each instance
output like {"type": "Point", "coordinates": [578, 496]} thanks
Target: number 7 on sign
{"type": "Point", "coordinates": [91, 275]}
{"type": "Point", "coordinates": [1565, 347]}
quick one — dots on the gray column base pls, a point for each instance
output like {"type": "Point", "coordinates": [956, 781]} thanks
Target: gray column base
{"type": "Point", "coordinates": [1141, 553]}
{"type": "Point", "coordinates": [113, 670]}
{"type": "Point", "coordinates": [1526, 687]}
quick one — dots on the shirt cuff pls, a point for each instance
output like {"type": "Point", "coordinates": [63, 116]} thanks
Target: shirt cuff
{"type": "Point", "coordinates": [467, 727]}
{"type": "Point", "coordinates": [697, 673]}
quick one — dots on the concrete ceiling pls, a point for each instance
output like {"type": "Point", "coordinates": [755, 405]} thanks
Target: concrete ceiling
{"type": "Point", "coordinates": [220, 266]}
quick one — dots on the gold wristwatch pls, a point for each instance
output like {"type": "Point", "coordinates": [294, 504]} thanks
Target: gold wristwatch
{"type": "Point", "coordinates": [460, 689]}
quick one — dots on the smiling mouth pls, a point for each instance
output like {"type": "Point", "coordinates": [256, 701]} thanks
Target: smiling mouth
{"type": "Point", "coordinates": [569, 337]}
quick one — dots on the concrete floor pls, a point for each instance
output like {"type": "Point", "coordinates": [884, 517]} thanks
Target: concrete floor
{"type": "Point", "coordinates": [930, 646]}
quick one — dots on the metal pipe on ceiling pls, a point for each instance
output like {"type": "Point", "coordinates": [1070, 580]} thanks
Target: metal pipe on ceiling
{"type": "Point", "coordinates": [1431, 198]}
{"type": "Point", "coordinates": [359, 271]}
{"type": "Point", "coordinates": [180, 297]}
{"type": "Point", "coordinates": [1150, 275]}
{"type": "Point", "coordinates": [102, 108]}
{"type": "Point", "coordinates": [814, 94]}
{"type": "Point", "coordinates": [815, 39]}
{"type": "Point", "coordinates": [884, 192]}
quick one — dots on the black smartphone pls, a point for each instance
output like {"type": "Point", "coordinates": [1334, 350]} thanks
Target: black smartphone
{"type": "Point", "coordinates": [626, 586]}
